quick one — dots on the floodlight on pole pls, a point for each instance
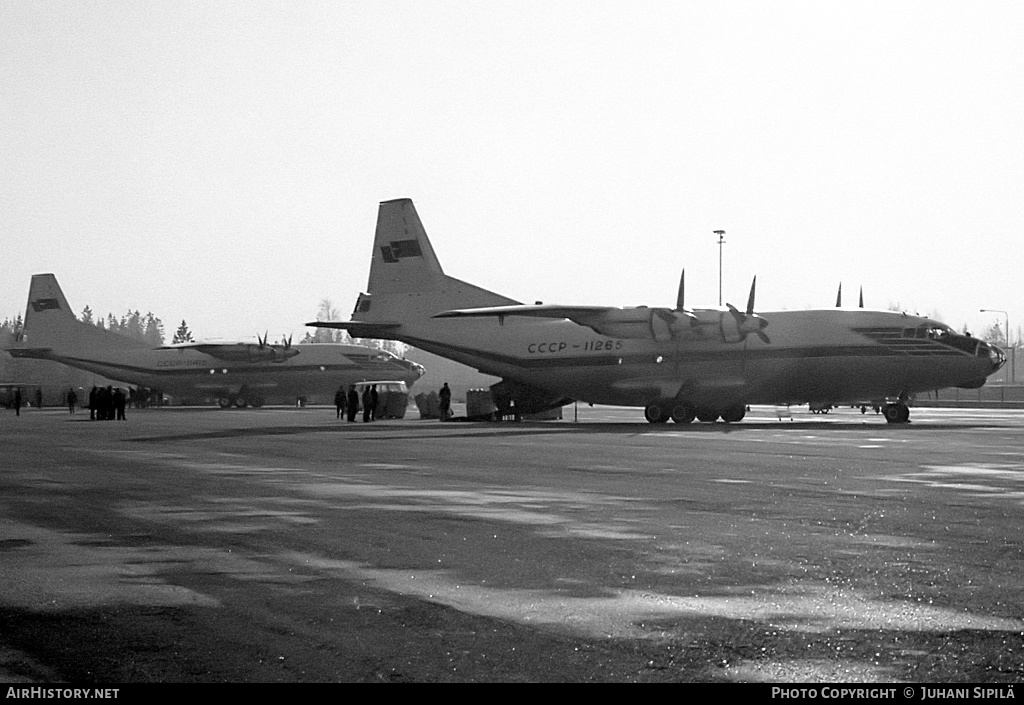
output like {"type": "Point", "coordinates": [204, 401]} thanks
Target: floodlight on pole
{"type": "Point", "coordinates": [721, 241]}
{"type": "Point", "coordinates": [1006, 333]}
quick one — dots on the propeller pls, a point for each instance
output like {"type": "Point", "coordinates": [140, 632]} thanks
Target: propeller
{"type": "Point", "coordinates": [288, 342]}
{"type": "Point", "coordinates": [262, 341]}
{"type": "Point", "coordinates": [839, 297]}
{"type": "Point", "coordinates": [750, 322]}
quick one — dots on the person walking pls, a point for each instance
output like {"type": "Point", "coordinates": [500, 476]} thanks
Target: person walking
{"type": "Point", "coordinates": [72, 400]}
{"type": "Point", "coordinates": [374, 398]}
{"type": "Point", "coordinates": [17, 401]}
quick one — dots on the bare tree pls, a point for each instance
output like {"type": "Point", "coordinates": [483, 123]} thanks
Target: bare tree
{"type": "Point", "coordinates": [327, 312]}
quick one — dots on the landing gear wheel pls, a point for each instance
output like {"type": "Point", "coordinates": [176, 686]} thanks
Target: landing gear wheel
{"type": "Point", "coordinates": [683, 413]}
{"type": "Point", "coordinates": [224, 403]}
{"type": "Point", "coordinates": [707, 416]}
{"type": "Point", "coordinates": [655, 413]}
{"type": "Point", "coordinates": [734, 413]}
{"type": "Point", "coordinates": [241, 402]}
{"type": "Point", "coordinates": [896, 413]}
{"type": "Point", "coordinates": [256, 402]}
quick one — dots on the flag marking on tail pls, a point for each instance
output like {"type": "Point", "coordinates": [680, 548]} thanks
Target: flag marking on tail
{"type": "Point", "coordinates": [397, 249]}
{"type": "Point", "coordinates": [45, 305]}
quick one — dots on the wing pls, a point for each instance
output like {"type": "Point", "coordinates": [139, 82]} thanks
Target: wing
{"type": "Point", "coordinates": [536, 311]}
{"type": "Point", "coordinates": [239, 352]}
{"type": "Point", "coordinates": [642, 322]}
{"type": "Point", "coordinates": [615, 322]}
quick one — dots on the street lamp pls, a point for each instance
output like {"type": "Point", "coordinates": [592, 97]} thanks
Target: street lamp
{"type": "Point", "coordinates": [721, 241]}
{"type": "Point", "coordinates": [1013, 356]}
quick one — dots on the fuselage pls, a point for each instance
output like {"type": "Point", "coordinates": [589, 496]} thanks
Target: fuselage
{"type": "Point", "coordinates": [316, 369]}
{"type": "Point", "coordinates": [814, 355]}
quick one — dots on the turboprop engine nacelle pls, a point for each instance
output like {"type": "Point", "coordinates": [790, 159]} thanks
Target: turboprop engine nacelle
{"type": "Point", "coordinates": [732, 325]}
{"type": "Point", "coordinates": [660, 324]}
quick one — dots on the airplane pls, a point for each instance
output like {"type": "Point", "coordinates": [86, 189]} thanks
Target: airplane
{"type": "Point", "coordinates": [676, 363]}
{"type": "Point", "coordinates": [237, 374]}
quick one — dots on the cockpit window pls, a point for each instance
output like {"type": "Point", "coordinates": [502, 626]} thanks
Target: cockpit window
{"type": "Point", "coordinates": [936, 332]}
{"type": "Point", "coordinates": [930, 332]}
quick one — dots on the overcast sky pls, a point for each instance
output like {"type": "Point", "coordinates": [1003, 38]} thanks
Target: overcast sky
{"type": "Point", "coordinates": [221, 162]}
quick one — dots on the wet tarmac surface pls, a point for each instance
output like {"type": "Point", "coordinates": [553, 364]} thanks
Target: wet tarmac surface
{"type": "Point", "coordinates": [283, 545]}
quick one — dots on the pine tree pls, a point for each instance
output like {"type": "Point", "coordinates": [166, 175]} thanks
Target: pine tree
{"type": "Point", "coordinates": [131, 325]}
{"type": "Point", "coordinates": [182, 335]}
{"type": "Point", "coordinates": [154, 330]}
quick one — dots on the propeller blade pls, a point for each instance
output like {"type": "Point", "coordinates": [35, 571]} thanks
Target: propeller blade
{"type": "Point", "coordinates": [839, 296]}
{"type": "Point", "coordinates": [682, 289]}
{"type": "Point", "coordinates": [861, 305]}
{"type": "Point", "coordinates": [740, 318]}
{"type": "Point", "coordinates": [288, 343]}
{"type": "Point", "coordinates": [749, 322]}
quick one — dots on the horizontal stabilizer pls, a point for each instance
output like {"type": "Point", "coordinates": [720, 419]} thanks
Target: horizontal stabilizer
{"type": "Point", "coordinates": [40, 353]}
{"type": "Point", "coordinates": [360, 329]}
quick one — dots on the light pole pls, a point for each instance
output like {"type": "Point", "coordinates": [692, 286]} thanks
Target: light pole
{"type": "Point", "coordinates": [1013, 356]}
{"type": "Point", "coordinates": [721, 241]}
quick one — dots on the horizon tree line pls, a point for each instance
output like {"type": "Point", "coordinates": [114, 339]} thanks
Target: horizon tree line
{"type": "Point", "coordinates": [150, 328]}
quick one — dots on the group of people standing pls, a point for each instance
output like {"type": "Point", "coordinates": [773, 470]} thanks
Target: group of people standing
{"type": "Point", "coordinates": [105, 403]}
{"type": "Point", "coordinates": [347, 403]}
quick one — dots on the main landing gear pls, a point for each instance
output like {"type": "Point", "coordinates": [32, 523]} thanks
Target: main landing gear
{"type": "Point", "coordinates": [896, 413]}
{"type": "Point", "coordinates": [240, 401]}
{"type": "Point", "coordinates": [660, 412]}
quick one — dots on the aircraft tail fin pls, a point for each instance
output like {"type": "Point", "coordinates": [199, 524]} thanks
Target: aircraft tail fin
{"type": "Point", "coordinates": [403, 258]}
{"type": "Point", "coordinates": [50, 324]}
{"type": "Point", "coordinates": [44, 294]}
{"type": "Point", "coordinates": [406, 279]}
